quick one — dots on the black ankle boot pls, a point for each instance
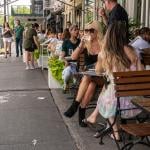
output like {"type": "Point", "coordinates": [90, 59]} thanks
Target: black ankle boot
{"type": "Point", "coordinates": [82, 116]}
{"type": "Point", "coordinates": [72, 109]}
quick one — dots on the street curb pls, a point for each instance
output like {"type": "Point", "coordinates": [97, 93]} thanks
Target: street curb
{"type": "Point", "coordinates": [69, 123]}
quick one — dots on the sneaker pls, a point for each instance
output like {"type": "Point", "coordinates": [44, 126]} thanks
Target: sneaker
{"type": "Point", "coordinates": [32, 67]}
{"type": "Point", "coordinates": [27, 68]}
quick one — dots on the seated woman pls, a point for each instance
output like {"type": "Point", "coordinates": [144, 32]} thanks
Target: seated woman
{"type": "Point", "coordinates": [142, 41]}
{"type": "Point", "coordinates": [68, 46]}
{"type": "Point", "coordinates": [115, 56]}
{"type": "Point", "coordinates": [90, 44]}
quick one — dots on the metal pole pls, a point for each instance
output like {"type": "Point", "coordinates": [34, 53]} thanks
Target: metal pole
{"type": "Point", "coordinates": [94, 16]}
{"type": "Point", "coordinates": [4, 10]}
{"type": "Point", "coordinates": [74, 12]}
{"type": "Point", "coordinates": [83, 14]}
{"type": "Point", "coordinates": [7, 11]}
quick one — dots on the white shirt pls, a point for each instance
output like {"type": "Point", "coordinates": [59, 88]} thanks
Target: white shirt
{"type": "Point", "coordinates": [139, 43]}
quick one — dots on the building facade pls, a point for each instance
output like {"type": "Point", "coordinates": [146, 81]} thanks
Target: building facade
{"type": "Point", "coordinates": [29, 13]}
{"type": "Point", "coordinates": [53, 12]}
{"type": "Point", "coordinates": [139, 10]}
{"type": "Point", "coordinates": [83, 11]}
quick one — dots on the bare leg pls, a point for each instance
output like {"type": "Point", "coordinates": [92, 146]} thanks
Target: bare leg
{"type": "Point", "coordinates": [92, 118]}
{"type": "Point", "coordinates": [5, 48]}
{"type": "Point", "coordinates": [115, 128]}
{"type": "Point", "coordinates": [83, 87]}
{"type": "Point", "coordinates": [27, 59]}
{"type": "Point", "coordinates": [9, 48]}
{"type": "Point", "coordinates": [88, 95]}
{"type": "Point", "coordinates": [32, 59]}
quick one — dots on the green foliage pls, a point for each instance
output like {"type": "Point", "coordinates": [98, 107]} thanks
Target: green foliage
{"type": "Point", "coordinates": [11, 21]}
{"type": "Point", "coordinates": [56, 67]}
{"type": "Point", "coordinates": [36, 54]}
{"type": "Point", "coordinates": [133, 24]}
{"type": "Point", "coordinates": [21, 10]}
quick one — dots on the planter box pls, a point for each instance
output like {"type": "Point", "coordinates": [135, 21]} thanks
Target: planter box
{"type": "Point", "coordinates": [52, 82]}
{"type": "Point", "coordinates": [43, 62]}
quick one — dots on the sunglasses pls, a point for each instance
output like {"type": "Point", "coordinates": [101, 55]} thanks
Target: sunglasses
{"type": "Point", "coordinates": [90, 30]}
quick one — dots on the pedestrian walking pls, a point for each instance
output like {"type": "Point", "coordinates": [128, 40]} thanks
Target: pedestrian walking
{"type": "Point", "coordinates": [18, 37]}
{"type": "Point", "coordinates": [30, 44]}
{"type": "Point", "coordinates": [7, 38]}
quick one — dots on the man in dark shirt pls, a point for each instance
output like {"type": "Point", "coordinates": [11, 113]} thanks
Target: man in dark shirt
{"type": "Point", "coordinates": [116, 13]}
{"type": "Point", "coordinates": [19, 37]}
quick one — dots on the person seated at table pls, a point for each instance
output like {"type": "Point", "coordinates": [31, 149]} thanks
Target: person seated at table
{"type": "Point", "coordinates": [66, 34]}
{"type": "Point", "coordinates": [52, 43]}
{"type": "Point", "coordinates": [68, 46]}
{"type": "Point", "coordinates": [48, 33]}
{"type": "Point", "coordinates": [115, 56]}
{"type": "Point", "coordinates": [142, 41]}
{"type": "Point", "coordinates": [90, 45]}
{"type": "Point", "coordinates": [58, 46]}
{"type": "Point", "coordinates": [41, 36]}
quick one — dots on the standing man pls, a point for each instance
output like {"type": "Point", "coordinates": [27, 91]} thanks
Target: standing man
{"type": "Point", "coordinates": [19, 37]}
{"type": "Point", "coordinates": [116, 13]}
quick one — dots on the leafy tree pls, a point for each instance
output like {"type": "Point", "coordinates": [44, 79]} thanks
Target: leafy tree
{"type": "Point", "coordinates": [21, 10]}
{"type": "Point", "coordinates": [10, 21]}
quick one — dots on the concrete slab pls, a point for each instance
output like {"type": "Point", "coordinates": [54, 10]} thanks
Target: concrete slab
{"type": "Point", "coordinates": [28, 113]}
{"type": "Point", "coordinates": [14, 77]}
{"type": "Point", "coordinates": [26, 116]}
{"type": "Point", "coordinates": [83, 136]}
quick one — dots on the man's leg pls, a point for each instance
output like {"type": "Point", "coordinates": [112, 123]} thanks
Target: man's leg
{"type": "Point", "coordinates": [17, 47]}
{"type": "Point", "coordinates": [20, 44]}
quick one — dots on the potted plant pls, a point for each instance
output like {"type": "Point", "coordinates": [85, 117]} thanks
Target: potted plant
{"type": "Point", "coordinates": [55, 68]}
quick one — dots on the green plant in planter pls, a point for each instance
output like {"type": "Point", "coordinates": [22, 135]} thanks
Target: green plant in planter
{"type": "Point", "coordinates": [36, 54]}
{"type": "Point", "coordinates": [56, 67]}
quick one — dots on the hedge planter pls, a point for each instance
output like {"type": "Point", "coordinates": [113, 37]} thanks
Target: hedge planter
{"type": "Point", "coordinates": [52, 82]}
{"type": "Point", "coordinates": [43, 61]}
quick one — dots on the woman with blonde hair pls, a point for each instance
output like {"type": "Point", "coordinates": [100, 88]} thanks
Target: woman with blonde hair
{"type": "Point", "coordinates": [90, 45]}
{"type": "Point", "coordinates": [7, 38]}
{"type": "Point", "coordinates": [115, 56]}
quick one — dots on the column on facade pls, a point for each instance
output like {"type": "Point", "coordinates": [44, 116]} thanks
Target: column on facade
{"type": "Point", "coordinates": [83, 14]}
{"type": "Point", "coordinates": [147, 16]}
{"type": "Point", "coordinates": [73, 12]}
{"type": "Point", "coordinates": [95, 10]}
{"type": "Point", "coordinates": [143, 12]}
{"type": "Point", "coordinates": [130, 7]}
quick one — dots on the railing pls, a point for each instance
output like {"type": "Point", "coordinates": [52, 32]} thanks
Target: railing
{"type": "Point", "coordinates": [25, 10]}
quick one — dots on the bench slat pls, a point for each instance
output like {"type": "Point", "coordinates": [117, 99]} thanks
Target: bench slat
{"type": "Point", "coordinates": [131, 74]}
{"type": "Point", "coordinates": [133, 87]}
{"type": "Point", "coordinates": [132, 93]}
{"type": "Point", "coordinates": [132, 80]}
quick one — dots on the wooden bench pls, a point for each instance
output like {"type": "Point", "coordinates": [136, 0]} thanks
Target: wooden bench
{"type": "Point", "coordinates": [133, 83]}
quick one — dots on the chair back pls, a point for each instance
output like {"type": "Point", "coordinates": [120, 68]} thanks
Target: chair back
{"type": "Point", "coordinates": [132, 83]}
